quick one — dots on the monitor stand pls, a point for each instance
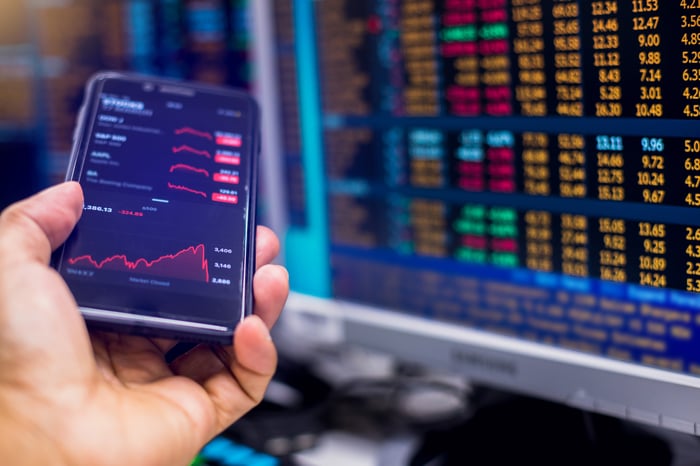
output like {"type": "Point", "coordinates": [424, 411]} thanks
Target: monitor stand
{"type": "Point", "coordinates": [510, 429]}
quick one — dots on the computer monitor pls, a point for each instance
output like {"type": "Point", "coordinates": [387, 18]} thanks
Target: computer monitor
{"type": "Point", "coordinates": [503, 189]}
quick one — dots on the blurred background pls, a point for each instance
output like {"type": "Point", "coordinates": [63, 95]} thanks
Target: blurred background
{"type": "Point", "coordinates": [48, 50]}
{"type": "Point", "coordinates": [398, 222]}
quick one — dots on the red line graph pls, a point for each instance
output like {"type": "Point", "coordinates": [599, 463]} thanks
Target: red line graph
{"type": "Point", "coordinates": [194, 132]}
{"type": "Point", "coordinates": [180, 187]}
{"type": "Point", "coordinates": [184, 166]}
{"type": "Point", "coordinates": [186, 148]}
{"type": "Point", "coordinates": [189, 264]}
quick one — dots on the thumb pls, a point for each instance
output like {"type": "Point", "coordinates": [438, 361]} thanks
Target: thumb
{"type": "Point", "coordinates": [32, 228]}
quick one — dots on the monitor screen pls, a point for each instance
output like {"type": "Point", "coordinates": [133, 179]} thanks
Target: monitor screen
{"type": "Point", "coordinates": [506, 189]}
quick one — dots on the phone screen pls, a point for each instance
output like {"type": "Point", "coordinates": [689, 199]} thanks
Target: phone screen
{"type": "Point", "coordinates": [168, 174]}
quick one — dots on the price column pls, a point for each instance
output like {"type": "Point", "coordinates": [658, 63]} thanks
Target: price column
{"type": "Point", "coordinates": [606, 59]}
{"type": "Point", "coordinates": [692, 259]}
{"type": "Point", "coordinates": [691, 166]}
{"type": "Point", "coordinates": [495, 58]}
{"type": "Point", "coordinates": [567, 58]}
{"type": "Point", "coordinates": [429, 228]}
{"type": "Point", "coordinates": [500, 157]}
{"type": "Point", "coordinates": [572, 165]}
{"type": "Point", "coordinates": [426, 155]}
{"type": "Point", "coordinates": [503, 236]}
{"type": "Point", "coordinates": [574, 245]}
{"type": "Point", "coordinates": [470, 228]}
{"type": "Point", "coordinates": [613, 253]}
{"type": "Point", "coordinates": [653, 261]}
{"type": "Point", "coordinates": [539, 248]}
{"type": "Point", "coordinates": [646, 23]}
{"type": "Point", "coordinates": [651, 178]}
{"type": "Point", "coordinates": [460, 58]}
{"type": "Point", "coordinates": [469, 173]}
{"type": "Point", "coordinates": [689, 22]}
{"type": "Point", "coordinates": [652, 264]}
{"type": "Point", "coordinates": [610, 168]}
{"type": "Point", "coordinates": [528, 48]}
{"type": "Point", "coordinates": [537, 175]}
{"type": "Point", "coordinates": [418, 45]}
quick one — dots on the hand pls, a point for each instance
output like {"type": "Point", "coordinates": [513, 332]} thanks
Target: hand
{"type": "Point", "coordinates": [68, 397]}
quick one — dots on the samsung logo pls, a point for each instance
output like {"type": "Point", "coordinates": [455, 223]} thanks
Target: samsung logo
{"type": "Point", "coordinates": [463, 357]}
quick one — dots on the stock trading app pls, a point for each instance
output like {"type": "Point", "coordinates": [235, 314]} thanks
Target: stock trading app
{"type": "Point", "coordinates": [524, 166]}
{"type": "Point", "coordinates": [166, 177]}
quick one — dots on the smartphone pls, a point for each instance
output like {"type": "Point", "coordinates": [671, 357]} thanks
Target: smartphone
{"type": "Point", "coordinates": [165, 246]}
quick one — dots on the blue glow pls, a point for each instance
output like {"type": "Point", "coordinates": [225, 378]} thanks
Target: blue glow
{"type": "Point", "coordinates": [306, 250]}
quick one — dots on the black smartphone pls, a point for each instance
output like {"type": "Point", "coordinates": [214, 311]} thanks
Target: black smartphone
{"type": "Point", "coordinates": [166, 243]}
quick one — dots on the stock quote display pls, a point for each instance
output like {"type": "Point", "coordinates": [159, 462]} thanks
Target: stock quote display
{"type": "Point", "coordinates": [527, 167]}
{"type": "Point", "coordinates": [166, 179]}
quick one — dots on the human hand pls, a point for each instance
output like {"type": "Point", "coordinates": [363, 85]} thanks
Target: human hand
{"type": "Point", "coordinates": [68, 397]}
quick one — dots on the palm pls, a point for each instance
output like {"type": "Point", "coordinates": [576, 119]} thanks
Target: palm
{"type": "Point", "coordinates": [152, 399]}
